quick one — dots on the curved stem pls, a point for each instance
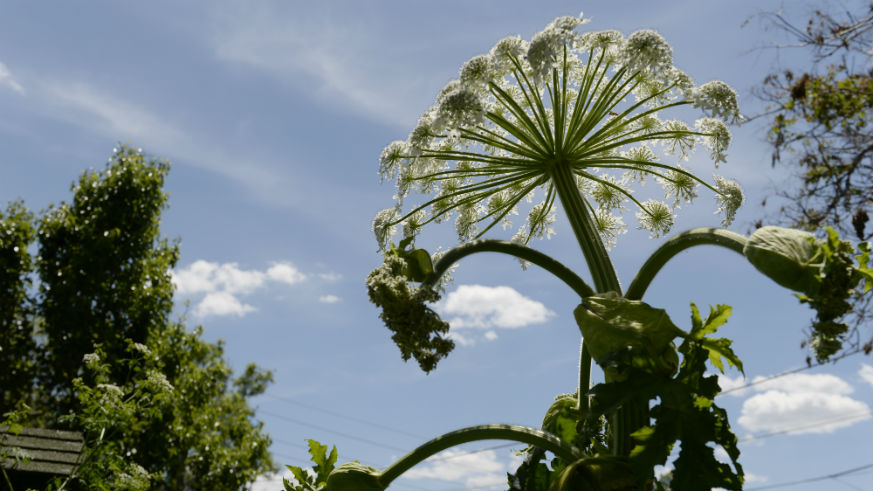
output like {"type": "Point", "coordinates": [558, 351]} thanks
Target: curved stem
{"type": "Point", "coordinates": [677, 244]}
{"type": "Point", "coordinates": [475, 433]}
{"type": "Point", "coordinates": [521, 252]}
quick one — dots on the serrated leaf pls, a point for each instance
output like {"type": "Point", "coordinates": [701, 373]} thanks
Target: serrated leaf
{"type": "Point", "coordinates": [696, 321]}
{"type": "Point", "coordinates": [717, 317]}
{"type": "Point", "coordinates": [721, 348]}
{"type": "Point", "coordinates": [324, 463]}
{"type": "Point", "coordinates": [303, 478]}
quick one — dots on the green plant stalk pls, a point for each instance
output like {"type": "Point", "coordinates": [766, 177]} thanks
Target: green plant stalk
{"type": "Point", "coordinates": [582, 402]}
{"type": "Point", "coordinates": [519, 251]}
{"type": "Point", "coordinates": [634, 414]}
{"type": "Point", "coordinates": [517, 433]}
{"type": "Point", "coordinates": [677, 244]}
{"type": "Point", "coordinates": [584, 228]}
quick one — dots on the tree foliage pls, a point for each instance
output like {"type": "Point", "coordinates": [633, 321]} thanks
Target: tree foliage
{"type": "Point", "coordinates": [821, 127]}
{"type": "Point", "coordinates": [17, 344]}
{"type": "Point", "coordinates": [91, 345]}
{"type": "Point", "coordinates": [103, 267]}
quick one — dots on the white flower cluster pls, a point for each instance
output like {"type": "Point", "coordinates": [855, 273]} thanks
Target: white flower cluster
{"type": "Point", "coordinates": [589, 101]}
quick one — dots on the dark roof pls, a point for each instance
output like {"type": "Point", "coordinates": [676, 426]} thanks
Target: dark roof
{"type": "Point", "coordinates": [36, 450]}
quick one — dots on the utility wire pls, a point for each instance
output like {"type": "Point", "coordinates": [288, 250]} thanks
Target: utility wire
{"type": "Point", "coordinates": [788, 372]}
{"type": "Point", "coordinates": [322, 428]}
{"type": "Point", "coordinates": [814, 479]}
{"type": "Point", "coordinates": [343, 416]}
{"type": "Point", "coordinates": [810, 425]}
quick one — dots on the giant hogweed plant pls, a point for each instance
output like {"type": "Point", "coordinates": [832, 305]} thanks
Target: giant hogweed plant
{"type": "Point", "coordinates": [574, 121]}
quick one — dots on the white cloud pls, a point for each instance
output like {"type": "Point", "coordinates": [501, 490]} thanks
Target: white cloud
{"type": "Point", "coordinates": [329, 299]}
{"type": "Point", "coordinates": [204, 276]}
{"type": "Point", "coordinates": [7, 80]}
{"type": "Point", "coordinates": [732, 384]}
{"type": "Point", "coordinates": [286, 273]}
{"type": "Point", "coordinates": [224, 283]}
{"type": "Point", "coordinates": [474, 469]}
{"type": "Point", "coordinates": [477, 306]}
{"type": "Point", "coordinates": [271, 481]}
{"type": "Point", "coordinates": [330, 276]}
{"type": "Point", "coordinates": [753, 478]}
{"type": "Point", "coordinates": [221, 303]}
{"type": "Point", "coordinates": [866, 373]}
{"type": "Point", "coordinates": [801, 382]}
{"type": "Point", "coordinates": [460, 339]}
{"type": "Point", "coordinates": [490, 335]}
{"type": "Point", "coordinates": [801, 403]}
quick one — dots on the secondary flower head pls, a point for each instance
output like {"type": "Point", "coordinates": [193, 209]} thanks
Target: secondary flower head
{"type": "Point", "coordinates": [585, 106]}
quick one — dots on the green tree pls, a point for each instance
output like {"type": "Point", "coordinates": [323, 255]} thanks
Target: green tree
{"type": "Point", "coordinates": [179, 420]}
{"type": "Point", "coordinates": [104, 268]}
{"type": "Point", "coordinates": [17, 344]}
{"type": "Point", "coordinates": [820, 121]}
{"type": "Point", "coordinates": [92, 346]}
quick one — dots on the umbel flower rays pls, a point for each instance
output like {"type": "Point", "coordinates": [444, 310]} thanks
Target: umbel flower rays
{"type": "Point", "coordinates": [579, 111]}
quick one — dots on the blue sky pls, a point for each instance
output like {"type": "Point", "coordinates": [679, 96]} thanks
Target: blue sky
{"type": "Point", "coordinates": [274, 115]}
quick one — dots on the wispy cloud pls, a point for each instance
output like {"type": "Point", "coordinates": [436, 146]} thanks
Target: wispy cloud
{"type": "Point", "coordinates": [866, 373]}
{"type": "Point", "coordinates": [127, 119]}
{"type": "Point", "coordinates": [7, 81]}
{"type": "Point", "coordinates": [223, 284]}
{"type": "Point", "coordinates": [342, 63]}
{"type": "Point", "coordinates": [329, 299]}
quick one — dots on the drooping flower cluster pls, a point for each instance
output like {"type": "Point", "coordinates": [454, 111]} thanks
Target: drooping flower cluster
{"type": "Point", "coordinates": [590, 102]}
{"type": "Point", "coordinates": [418, 330]}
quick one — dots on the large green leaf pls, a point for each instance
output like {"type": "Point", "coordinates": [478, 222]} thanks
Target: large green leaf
{"type": "Point", "coordinates": [611, 323]}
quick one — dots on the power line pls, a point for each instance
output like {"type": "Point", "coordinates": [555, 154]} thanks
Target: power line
{"type": "Point", "coordinates": [471, 452]}
{"type": "Point", "coordinates": [810, 425]}
{"type": "Point", "coordinates": [814, 479]}
{"type": "Point", "coordinates": [788, 372]}
{"type": "Point", "coordinates": [343, 416]}
{"type": "Point", "coordinates": [322, 428]}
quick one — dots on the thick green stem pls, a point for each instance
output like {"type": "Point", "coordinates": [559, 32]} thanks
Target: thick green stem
{"type": "Point", "coordinates": [584, 228]}
{"type": "Point", "coordinates": [626, 419]}
{"type": "Point", "coordinates": [517, 250]}
{"type": "Point", "coordinates": [517, 433]}
{"type": "Point", "coordinates": [677, 244]}
{"type": "Point", "coordinates": [582, 403]}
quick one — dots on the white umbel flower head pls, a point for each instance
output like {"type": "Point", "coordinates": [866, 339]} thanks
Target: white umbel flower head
{"type": "Point", "coordinates": [717, 99]}
{"type": "Point", "coordinates": [610, 227]}
{"type": "Point", "coordinates": [716, 136]}
{"type": "Point", "coordinates": [384, 226]}
{"type": "Point", "coordinates": [548, 46]}
{"type": "Point", "coordinates": [504, 52]}
{"type": "Point", "coordinates": [593, 110]}
{"type": "Point", "coordinates": [460, 107]}
{"type": "Point", "coordinates": [477, 72]}
{"type": "Point", "coordinates": [391, 159]}
{"type": "Point", "coordinates": [729, 198]}
{"type": "Point", "coordinates": [647, 50]}
{"type": "Point", "coordinates": [656, 217]}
